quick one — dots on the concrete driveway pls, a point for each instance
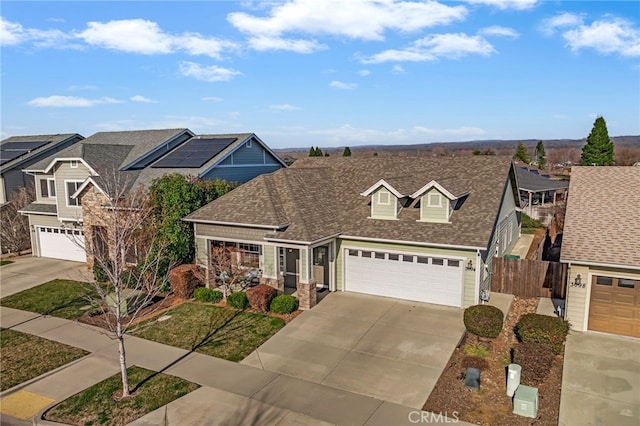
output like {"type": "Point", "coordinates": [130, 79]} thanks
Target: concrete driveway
{"type": "Point", "coordinates": [384, 348]}
{"type": "Point", "coordinates": [29, 271]}
{"type": "Point", "coordinates": [601, 380]}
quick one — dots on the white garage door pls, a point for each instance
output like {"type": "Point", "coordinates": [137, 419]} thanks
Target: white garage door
{"type": "Point", "coordinates": [428, 279]}
{"type": "Point", "coordinates": [60, 243]}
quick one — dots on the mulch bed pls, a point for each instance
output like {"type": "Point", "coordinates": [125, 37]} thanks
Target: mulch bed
{"type": "Point", "coordinates": [491, 405]}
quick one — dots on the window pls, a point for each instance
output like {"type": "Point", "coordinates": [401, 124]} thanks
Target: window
{"type": "Point", "coordinates": [52, 188]}
{"type": "Point", "coordinates": [366, 254]}
{"type": "Point", "coordinates": [353, 253]}
{"type": "Point", "coordinates": [394, 256]}
{"type": "Point", "coordinates": [437, 261]}
{"type": "Point", "coordinates": [453, 263]}
{"type": "Point", "coordinates": [434, 199]}
{"type": "Point", "coordinates": [626, 283]}
{"type": "Point", "coordinates": [72, 187]}
{"type": "Point", "coordinates": [384, 197]}
{"type": "Point", "coordinates": [423, 260]}
{"type": "Point", "coordinates": [604, 280]}
{"type": "Point", "coordinates": [407, 258]}
{"type": "Point", "coordinates": [250, 254]}
{"type": "Point", "coordinates": [44, 188]}
{"type": "Point", "coordinates": [73, 164]}
{"type": "Point", "coordinates": [379, 255]}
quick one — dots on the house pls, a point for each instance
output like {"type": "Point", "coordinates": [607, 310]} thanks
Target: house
{"type": "Point", "coordinates": [601, 245]}
{"type": "Point", "coordinates": [61, 218]}
{"type": "Point", "coordinates": [539, 193]}
{"type": "Point", "coordinates": [20, 152]}
{"type": "Point", "coordinates": [415, 228]}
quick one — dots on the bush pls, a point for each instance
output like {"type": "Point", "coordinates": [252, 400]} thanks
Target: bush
{"type": "Point", "coordinates": [99, 273]}
{"type": "Point", "coordinates": [260, 297]}
{"type": "Point", "coordinates": [203, 294]}
{"type": "Point", "coordinates": [284, 304]}
{"type": "Point", "coordinates": [238, 300]}
{"type": "Point", "coordinates": [536, 361]}
{"type": "Point", "coordinates": [483, 320]}
{"type": "Point", "coordinates": [543, 329]}
{"type": "Point", "coordinates": [184, 279]}
{"type": "Point", "coordinates": [476, 349]}
{"type": "Point", "coordinates": [474, 362]}
{"type": "Point", "coordinates": [130, 277]}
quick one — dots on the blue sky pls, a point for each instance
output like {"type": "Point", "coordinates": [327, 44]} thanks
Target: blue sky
{"type": "Point", "coordinates": [323, 72]}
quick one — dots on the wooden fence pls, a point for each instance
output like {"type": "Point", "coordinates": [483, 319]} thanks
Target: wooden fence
{"type": "Point", "coordinates": [529, 278]}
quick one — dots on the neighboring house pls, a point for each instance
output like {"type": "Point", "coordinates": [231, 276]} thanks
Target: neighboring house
{"type": "Point", "coordinates": [601, 244]}
{"type": "Point", "coordinates": [69, 201]}
{"type": "Point", "coordinates": [416, 228]}
{"type": "Point", "coordinates": [20, 152]}
{"type": "Point", "coordinates": [539, 193]}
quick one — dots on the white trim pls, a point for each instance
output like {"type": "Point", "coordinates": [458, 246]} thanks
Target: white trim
{"type": "Point", "coordinates": [248, 144]}
{"type": "Point", "coordinates": [412, 243]}
{"type": "Point", "coordinates": [63, 159]}
{"type": "Point", "coordinates": [377, 185]}
{"type": "Point", "coordinates": [304, 243]}
{"type": "Point", "coordinates": [49, 180]}
{"type": "Point", "coordinates": [84, 185]}
{"type": "Point", "coordinates": [479, 264]}
{"type": "Point", "coordinates": [433, 184]}
{"type": "Point", "coordinates": [434, 205]}
{"type": "Point", "coordinates": [73, 164]}
{"type": "Point", "coordinates": [603, 265]}
{"type": "Point", "coordinates": [245, 225]}
{"type": "Point", "coordinates": [388, 194]}
{"type": "Point", "coordinates": [66, 219]}
{"type": "Point", "coordinates": [67, 196]}
{"type": "Point", "coordinates": [29, 212]}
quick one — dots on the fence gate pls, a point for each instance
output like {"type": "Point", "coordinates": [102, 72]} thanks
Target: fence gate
{"type": "Point", "coordinates": [529, 278]}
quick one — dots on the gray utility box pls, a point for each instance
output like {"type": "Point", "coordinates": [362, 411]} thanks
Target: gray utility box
{"type": "Point", "coordinates": [525, 402]}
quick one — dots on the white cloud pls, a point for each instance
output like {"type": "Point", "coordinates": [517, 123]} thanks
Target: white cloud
{"type": "Point", "coordinates": [343, 86]}
{"type": "Point", "coordinates": [211, 99]}
{"type": "Point", "coordinates": [10, 32]}
{"type": "Point", "coordinates": [397, 69]}
{"type": "Point", "coordinates": [562, 20]}
{"type": "Point", "coordinates": [262, 43]}
{"type": "Point", "coordinates": [612, 36]}
{"type": "Point", "coordinates": [355, 19]}
{"type": "Point", "coordinates": [497, 30]}
{"type": "Point", "coordinates": [210, 73]}
{"type": "Point", "coordinates": [142, 99]}
{"type": "Point", "coordinates": [13, 33]}
{"type": "Point", "coordinates": [195, 44]}
{"type": "Point", "coordinates": [69, 102]}
{"type": "Point", "coordinates": [434, 46]}
{"type": "Point", "coordinates": [506, 4]}
{"type": "Point", "coordinates": [364, 73]}
{"type": "Point", "coordinates": [347, 134]}
{"type": "Point", "coordinates": [284, 107]}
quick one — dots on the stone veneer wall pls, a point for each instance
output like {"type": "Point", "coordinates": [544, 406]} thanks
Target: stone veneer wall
{"type": "Point", "coordinates": [93, 215]}
{"type": "Point", "coordinates": [307, 296]}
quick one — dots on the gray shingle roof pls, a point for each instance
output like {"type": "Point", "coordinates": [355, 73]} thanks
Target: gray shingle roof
{"type": "Point", "coordinates": [320, 197]}
{"type": "Point", "coordinates": [51, 140]}
{"type": "Point", "coordinates": [40, 208]}
{"type": "Point", "coordinates": [533, 182]}
{"type": "Point", "coordinates": [602, 224]}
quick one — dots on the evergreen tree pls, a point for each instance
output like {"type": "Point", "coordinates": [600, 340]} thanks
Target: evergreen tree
{"type": "Point", "coordinates": [599, 149]}
{"type": "Point", "coordinates": [522, 154]}
{"type": "Point", "coordinates": [312, 152]}
{"type": "Point", "coordinates": [319, 152]}
{"type": "Point", "coordinates": [541, 155]}
{"type": "Point", "coordinates": [346, 152]}
{"type": "Point", "coordinates": [326, 154]}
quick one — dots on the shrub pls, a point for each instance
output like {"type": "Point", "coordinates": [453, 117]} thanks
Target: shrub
{"type": "Point", "coordinates": [184, 279]}
{"type": "Point", "coordinates": [203, 294]}
{"type": "Point", "coordinates": [238, 300]}
{"type": "Point", "coordinates": [544, 329]}
{"type": "Point", "coordinates": [130, 277]}
{"type": "Point", "coordinates": [476, 349]}
{"type": "Point", "coordinates": [260, 297]}
{"type": "Point", "coordinates": [483, 320]}
{"type": "Point", "coordinates": [284, 304]}
{"type": "Point", "coordinates": [474, 362]}
{"type": "Point", "coordinates": [535, 360]}
{"type": "Point", "coordinates": [99, 273]}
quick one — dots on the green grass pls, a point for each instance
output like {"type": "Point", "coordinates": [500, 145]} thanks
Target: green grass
{"type": "Point", "coordinates": [58, 298]}
{"type": "Point", "coordinates": [96, 405]}
{"type": "Point", "coordinates": [212, 330]}
{"type": "Point", "coordinates": [25, 356]}
{"type": "Point", "coordinates": [5, 262]}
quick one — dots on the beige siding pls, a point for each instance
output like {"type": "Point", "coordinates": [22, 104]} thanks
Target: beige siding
{"type": "Point", "coordinates": [380, 208]}
{"type": "Point", "coordinates": [3, 196]}
{"type": "Point", "coordinates": [201, 251]}
{"type": "Point", "coordinates": [433, 213]}
{"type": "Point", "coordinates": [577, 303]}
{"type": "Point", "coordinates": [234, 233]}
{"type": "Point", "coordinates": [270, 257]}
{"type": "Point", "coordinates": [39, 198]}
{"type": "Point", "coordinates": [64, 172]}
{"type": "Point", "coordinates": [469, 296]}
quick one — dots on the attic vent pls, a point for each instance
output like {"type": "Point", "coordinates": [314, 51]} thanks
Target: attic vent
{"type": "Point", "coordinates": [248, 144]}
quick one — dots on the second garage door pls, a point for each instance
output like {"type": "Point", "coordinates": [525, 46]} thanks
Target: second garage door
{"type": "Point", "coordinates": [615, 306]}
{"type": "Point", "coordinates": [428, 279]}
{"type": "Point", "coordinates": [60, 243]}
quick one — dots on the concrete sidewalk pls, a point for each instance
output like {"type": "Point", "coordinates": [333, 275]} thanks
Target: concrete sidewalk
{"type": "Point", "coordinates": [231, 394]}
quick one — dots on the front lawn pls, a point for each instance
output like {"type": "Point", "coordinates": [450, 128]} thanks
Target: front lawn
{"type": "Point", "coordinates": [211, 330]}
{"type": "Point", "coordinates": [96, 405]}
{"type": "Point", "coordinates": [59, 298]}
{"type": "Point", "coordinates": [25, 356]}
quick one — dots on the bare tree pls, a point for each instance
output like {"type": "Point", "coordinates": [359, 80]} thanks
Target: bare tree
{"type": "Point", "coordinates": [127, 236]}
{"type": "Point", "coordinates": [227, 269]}
{"type": "Point", "coordinates": [14, 226]}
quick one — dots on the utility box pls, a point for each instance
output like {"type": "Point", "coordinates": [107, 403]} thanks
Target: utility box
{"type": "Point", "coordinates": [525, 402]}
{"type": "Point", "coordinates": [513, 378]}
{"type": "Point", "coordinates": [472, 379]}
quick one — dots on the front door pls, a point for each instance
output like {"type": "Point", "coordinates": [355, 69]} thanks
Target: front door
{"type": "Point", "coordinates": [292, 267]}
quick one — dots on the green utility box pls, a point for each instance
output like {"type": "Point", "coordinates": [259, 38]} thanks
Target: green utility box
{"type": "Point", "coordinates": [525, 402]}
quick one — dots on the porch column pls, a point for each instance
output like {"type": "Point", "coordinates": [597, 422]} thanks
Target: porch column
{"type": "Point", "coordinates": [306, 286]}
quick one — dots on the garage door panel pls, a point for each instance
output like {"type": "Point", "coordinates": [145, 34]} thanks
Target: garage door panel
{"type": "Point", "coordinates": [392, 276]}
{"type": "Point", "coordinates": [61, 243]}
{"type": "Point", "coordinates": [615, 306]}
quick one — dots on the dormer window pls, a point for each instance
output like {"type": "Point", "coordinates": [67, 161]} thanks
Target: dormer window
{"type": "Point", "coordinates": [434, 199]}
{"type": "Point", "coordinates": [73, 164]}
{"type": "Point", "coordinates": [384, 197]}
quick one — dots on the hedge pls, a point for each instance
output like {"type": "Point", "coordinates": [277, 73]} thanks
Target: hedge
{"type": "Point", "coordinates": [483, 320]}
{"type": "Point", "coordinates": [238, 300]}
{"type": "Point", "coordinates": [536, 361]}
{"type": "Point", "coordinates": [284, 304]}
{"type": "Point", "coordinates": [543, 329]}
{"type": "Point", "coordinates": [204, 294]}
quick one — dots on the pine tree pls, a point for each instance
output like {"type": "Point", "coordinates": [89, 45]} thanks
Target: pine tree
{"type": "Point", "coordinates": [599, 149]}
{"type": "Point", "coordinates": [312, 152]}
{"type": "Point", "coordinates": [522, 154]}
{"type": "Point", "coordinates": [541, 155]}
{"type": "Point", "coordinates": [346, 152]}
{"type": "Point", "coordinates": [319, 152]}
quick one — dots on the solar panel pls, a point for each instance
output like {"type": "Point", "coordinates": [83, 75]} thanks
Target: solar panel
{"type": "Point", "coordinates": [194, 153]}
{"type": "Point", "coordinates": [10, 155]}
{"type": "Point", "coordinates": [22, 146]}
